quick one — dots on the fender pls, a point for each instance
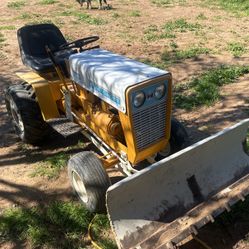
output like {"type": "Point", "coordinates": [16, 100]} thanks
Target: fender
{"type": "Point", "coordinates": [47, 93]}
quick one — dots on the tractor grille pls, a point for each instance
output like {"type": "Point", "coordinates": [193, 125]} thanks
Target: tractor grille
{"type": "Point", "coordinates": [150, 125]}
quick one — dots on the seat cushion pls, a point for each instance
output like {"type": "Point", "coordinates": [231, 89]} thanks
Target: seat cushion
{"type": "Point", "coordinates": [45, 65]}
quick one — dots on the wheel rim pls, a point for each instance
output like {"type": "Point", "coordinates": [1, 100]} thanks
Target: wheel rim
{"type": "Point", "coordinates": [79, 186]}
{"type": "Point", "coordinates": [166, 151]}
{"type": "Point", "coordinates": [16, 117]}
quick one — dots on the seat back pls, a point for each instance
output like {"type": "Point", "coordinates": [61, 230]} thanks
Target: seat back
{"type": "Point", "coordinates": [33, 39]}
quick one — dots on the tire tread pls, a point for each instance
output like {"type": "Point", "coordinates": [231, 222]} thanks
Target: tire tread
{"type": "Point", "coordinates": [35, 128]}
{"type": "Point", "coordinates": [92, 173]}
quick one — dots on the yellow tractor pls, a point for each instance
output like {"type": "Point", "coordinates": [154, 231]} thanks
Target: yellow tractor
{"type": "Point", "coordinates": [124, 107]}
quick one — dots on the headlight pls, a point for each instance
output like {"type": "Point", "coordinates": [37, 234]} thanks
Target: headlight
{"type": "Point", "coordinates": [159, 91]}
{"type": "Point", "coordinates": [138, 99]}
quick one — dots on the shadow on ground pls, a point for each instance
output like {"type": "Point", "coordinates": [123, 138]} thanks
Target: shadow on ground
{"type": "Point", "coordinates": [228, 231]}
{"type": "Point", "coordinates": [30, 194]}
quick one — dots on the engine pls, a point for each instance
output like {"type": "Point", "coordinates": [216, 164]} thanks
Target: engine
{"type": "Point", "coordinates": [132, 100]}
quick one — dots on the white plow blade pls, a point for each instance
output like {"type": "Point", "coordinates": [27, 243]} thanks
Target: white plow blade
{"type": "Point", "coordinates": [163, 204]}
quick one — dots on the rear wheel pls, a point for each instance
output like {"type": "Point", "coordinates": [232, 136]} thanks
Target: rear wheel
{"type": "Point", "coordinates": [179, 140]}
{"type": "Point", "coordinates": [89, 180]}
{"type": "Point", "coordinates": [25, 113]}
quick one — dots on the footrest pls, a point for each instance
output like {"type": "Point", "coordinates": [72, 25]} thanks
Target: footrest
{"type": "Point", "coordinates": [64, 126]}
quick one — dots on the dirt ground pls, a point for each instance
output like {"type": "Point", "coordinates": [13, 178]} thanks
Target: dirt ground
{"type": "Point", "coordinates": [124, 33]}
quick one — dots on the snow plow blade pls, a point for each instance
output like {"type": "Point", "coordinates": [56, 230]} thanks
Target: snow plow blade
{"type": "Point", "coordinates": [170, 200]}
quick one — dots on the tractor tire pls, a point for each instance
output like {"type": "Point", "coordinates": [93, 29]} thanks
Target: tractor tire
{"type": "Point", "coordinates": [25, 113]}
{"type": "Point", "coordinates": [89, 180]}
{"type": "Point", "coordinates": [179, 140]}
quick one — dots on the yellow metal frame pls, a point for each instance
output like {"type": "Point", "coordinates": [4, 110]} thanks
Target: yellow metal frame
{"type": "Point", "coordinates": [108, 139]}
{"type": "Point", "coordinates": [47, 93]}
{"type": "Point", "coordinates": [51, 101]}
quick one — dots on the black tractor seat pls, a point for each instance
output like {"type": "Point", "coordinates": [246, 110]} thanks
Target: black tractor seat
{"type": "Point", "coordinates": [32, 42]}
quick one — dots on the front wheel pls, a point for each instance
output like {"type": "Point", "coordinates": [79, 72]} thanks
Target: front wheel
{"type": "Point", "coordinates": [89, 180]}
{"type": "Point", "coordinates": [179, 140]}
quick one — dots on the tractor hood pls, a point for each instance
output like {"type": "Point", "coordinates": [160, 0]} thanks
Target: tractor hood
{"type": "Point", "coordinates": [108, 75]}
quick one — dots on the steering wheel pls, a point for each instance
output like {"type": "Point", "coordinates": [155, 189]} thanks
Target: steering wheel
{"type": "Point", "coordinates": [79, 43]}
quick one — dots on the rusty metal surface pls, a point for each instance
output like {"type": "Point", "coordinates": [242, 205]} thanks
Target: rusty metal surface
{"type": "Point", "coordinates": [163, 204]}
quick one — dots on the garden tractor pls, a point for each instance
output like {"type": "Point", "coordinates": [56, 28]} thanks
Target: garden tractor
{"type": "Point", "coordinates": [124, 107]}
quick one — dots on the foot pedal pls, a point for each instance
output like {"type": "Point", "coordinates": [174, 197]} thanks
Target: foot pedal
{"type": "Point", "coordinates": [64, 126]}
